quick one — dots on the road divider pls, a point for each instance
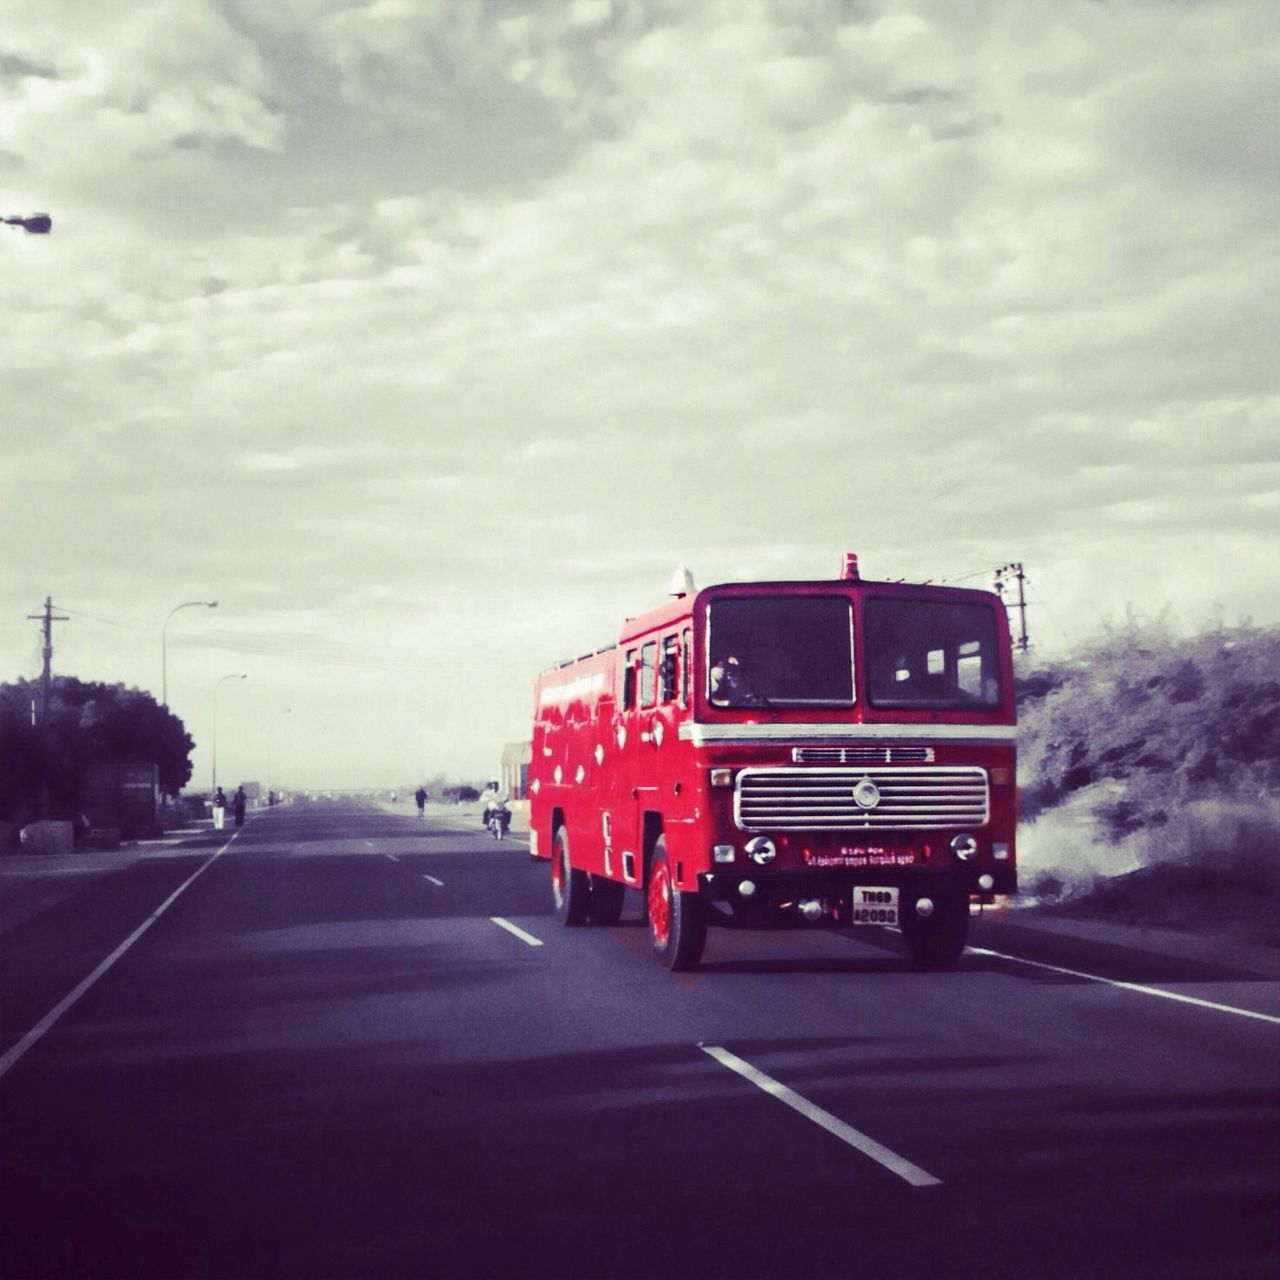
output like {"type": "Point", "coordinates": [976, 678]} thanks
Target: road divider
{"type": "Point", "coordinates": [869, 1147]}
{"type": "Point", "coordinates": [517, 931]}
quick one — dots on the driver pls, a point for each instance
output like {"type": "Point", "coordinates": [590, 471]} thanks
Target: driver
{"type": "Point", "coordinates": [729, 685]}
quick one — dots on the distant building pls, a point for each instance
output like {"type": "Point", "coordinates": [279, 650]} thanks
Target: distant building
{"type": "Point", "coordinates": [515, 769]}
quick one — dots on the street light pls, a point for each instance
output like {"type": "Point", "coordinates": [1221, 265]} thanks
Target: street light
{"type": "Point", "coordinates": [216, 687]}
{"type": "Point", "coordinates": [164, 652]}
{"type": "Point", "coordinates": [35, 224]}
{"type": "Point", "coordinates": [270, 731]}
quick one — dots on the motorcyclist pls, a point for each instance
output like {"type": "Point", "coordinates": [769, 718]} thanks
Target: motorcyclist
{"type": "Point", "coordinates": [489, 798]}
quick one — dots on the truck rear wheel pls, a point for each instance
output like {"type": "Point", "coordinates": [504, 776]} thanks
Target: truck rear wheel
{"type": "Point", "coordinates": [569, 886]}
{"type": "Point", "coordinates": [677, 921]}
{"type": "Point", "coordinates": [937, 940]}
{"type": "Point", "coordinates": [606, 900]}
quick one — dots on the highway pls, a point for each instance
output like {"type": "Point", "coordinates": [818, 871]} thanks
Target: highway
{"type": "Point", "coordinates": [345, 1042]}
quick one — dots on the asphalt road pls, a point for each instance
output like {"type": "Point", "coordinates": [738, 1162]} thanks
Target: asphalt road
{"type": "Point", "coordinates": [358, 1045]}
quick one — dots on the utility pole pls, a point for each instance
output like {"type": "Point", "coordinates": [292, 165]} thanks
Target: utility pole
{"type": "Point", "coordinates": [1015, 572]}
{"type": "Point", "coordinates": [47, 619]}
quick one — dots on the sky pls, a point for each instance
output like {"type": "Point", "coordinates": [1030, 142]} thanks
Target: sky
{"type": "Point", "coordinates": [429, 336]}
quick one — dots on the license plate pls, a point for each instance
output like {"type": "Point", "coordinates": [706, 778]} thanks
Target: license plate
{"type": "Point", "coordinates": [875, 906]}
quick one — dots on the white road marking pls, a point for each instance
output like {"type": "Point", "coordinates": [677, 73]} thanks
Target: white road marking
{"type": "Point", "coordinates": [434, 881]}
{"type": "Point", "coordinates": [393, 857]}
{"type": "Point", "coordinates": [50, 1018]}
{"type": "Point", "coordinates": [1131, 986]}
{"type": "Point", "coordinates": [519, 932]}
{"type": "Point", "coordinates": [895, 1163]}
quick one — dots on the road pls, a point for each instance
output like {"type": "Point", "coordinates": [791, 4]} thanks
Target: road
{"type": "Point", "coordinates": [357, 1044]}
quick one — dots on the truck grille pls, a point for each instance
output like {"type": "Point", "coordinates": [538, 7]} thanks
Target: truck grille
{"type": "Point", "coordinates": [822, 799]}
{"type": "Point", "coordinates": [862, 755]}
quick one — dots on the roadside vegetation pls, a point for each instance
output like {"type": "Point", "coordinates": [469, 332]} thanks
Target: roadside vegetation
{"type": "Point", "coordinates": [1150, 779]}
{"type": "Point", "coordinates": [87, 723]}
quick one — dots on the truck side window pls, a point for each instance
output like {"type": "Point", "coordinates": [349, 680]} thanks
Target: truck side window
{"type": "Point", "coordinates": [648, 673]}
{"type": "Point", "coordinates": [628, 698]}
{"type": "Point", "coordinates": [668, 672]}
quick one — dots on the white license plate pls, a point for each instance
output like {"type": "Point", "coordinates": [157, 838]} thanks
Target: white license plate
{"type": "Point", "coordinates": [875, 906]}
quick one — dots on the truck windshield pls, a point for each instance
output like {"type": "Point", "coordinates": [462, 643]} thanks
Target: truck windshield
{"type": "Point", "coordinates": [931, 653]}
{"type": "Point", "coordinates": [779, 650]}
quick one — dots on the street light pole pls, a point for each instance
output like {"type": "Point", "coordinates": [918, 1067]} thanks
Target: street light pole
{"type": "Point", "coordinates": [34, 224]}
{"type": "Point", "coordinates": [164, 651]}
{"type": "Point", "coordinates": [270, 731]}
{"type": "Point", "coordinates": [216, 687]}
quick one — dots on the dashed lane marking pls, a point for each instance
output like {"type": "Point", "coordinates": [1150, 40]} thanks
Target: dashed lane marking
{"type": "Point", "coordinates": [1139, 987]}
{"type": "Point", "coordinates": [50, 1018]}
{"type": "Point", "coordinates": [438, 883]}
{"type": "Point", "coordinates": [393, 857]}
{"type": "Point", "coordinates": [890, 1160]}
{"type": "Point", "coordinates": [519, 932]}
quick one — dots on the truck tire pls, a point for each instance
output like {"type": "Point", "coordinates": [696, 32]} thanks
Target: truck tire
{"type": "Point", "coordinates": [606, 899]}
{"type": "Point", "coordinates": [570, 887]}
{"type": "Point", "coordinates": [677, 920]}
{"type": "Point", "coordinates": [937, 941]}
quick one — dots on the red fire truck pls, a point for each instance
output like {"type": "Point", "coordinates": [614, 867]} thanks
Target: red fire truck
{"type": "Point", "coordinates": [784, 754]}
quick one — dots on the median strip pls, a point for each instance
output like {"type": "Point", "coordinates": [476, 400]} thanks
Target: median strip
{"type": "Point", "coordinates": [515, 929]}
{"type": "Point", "coordinates": [890, 1160]}
{"type": "Point", "coordinates": [1130, 986]}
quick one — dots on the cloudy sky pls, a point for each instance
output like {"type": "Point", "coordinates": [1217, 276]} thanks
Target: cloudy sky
{"type": "Point", "coordinates": [428, 336]}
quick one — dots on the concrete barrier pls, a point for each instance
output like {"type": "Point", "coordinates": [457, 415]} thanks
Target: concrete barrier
{"type": "Point", "coordinates": [48, 837]}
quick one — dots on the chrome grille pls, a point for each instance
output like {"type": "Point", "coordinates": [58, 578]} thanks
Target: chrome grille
{"type": "Point", "coordinates": [921, 799]}
{"type": "Point", "coordinates": [862, 755]}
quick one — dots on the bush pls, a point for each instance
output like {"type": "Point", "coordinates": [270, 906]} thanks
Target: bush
{"type": "Point", "coordinates": [1150, 765]}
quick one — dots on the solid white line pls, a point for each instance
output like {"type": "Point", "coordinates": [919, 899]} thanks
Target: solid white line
{"type": "Point", "coordinates": [434, 880]}
{"type": "Point", "coordinates": [905, 1170]}
{"type": "Point", "coordinates": [1131, 986]}
{"type": "Point", "coordinates": [36, 1032]}
{"type": "Point", "coordinates": [519, 932]}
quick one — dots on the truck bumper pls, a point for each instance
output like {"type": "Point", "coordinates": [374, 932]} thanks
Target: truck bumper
{"type": "Point", "coordinates": [763, 898]}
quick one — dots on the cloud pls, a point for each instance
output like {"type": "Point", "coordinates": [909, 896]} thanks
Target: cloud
{"type": "Point", "coordinates": [383, 302]}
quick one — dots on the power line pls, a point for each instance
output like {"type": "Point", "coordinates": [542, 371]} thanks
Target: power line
{"type": "Point", "coordinates": [106, 622]}
{"type": "Point", "coordinates": [967, 577]}
{"type": "Point", "coordinates": [260, 649]}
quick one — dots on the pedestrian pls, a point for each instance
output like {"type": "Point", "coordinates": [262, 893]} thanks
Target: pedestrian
{"type": "Point", "coordinates": [239, 802]}
{"type": "Point", "coordinates": [219, 809]}
{"type": "Point", "coordinates": [420, 796]}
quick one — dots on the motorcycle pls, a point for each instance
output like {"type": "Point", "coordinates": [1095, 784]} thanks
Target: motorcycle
{"type": "Point", "coordinates": [498, 819]}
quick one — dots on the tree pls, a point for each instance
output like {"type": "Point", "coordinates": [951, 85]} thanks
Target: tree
{"type": "Point", "coordinates": [87, 724]}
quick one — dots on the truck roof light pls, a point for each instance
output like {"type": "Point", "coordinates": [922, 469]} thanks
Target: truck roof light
{"type": "Point", "coordinates": [681, 582]}
{"type": "Point", "coordinates": [849, 567]}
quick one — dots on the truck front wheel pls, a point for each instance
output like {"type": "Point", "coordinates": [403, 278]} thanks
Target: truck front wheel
{"type": "Point", "coordinates": [570, 887]}
{"type": "Point", "coordinates": [936, 941]}
{"type": "Point", "coordinates": [677, 921]}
